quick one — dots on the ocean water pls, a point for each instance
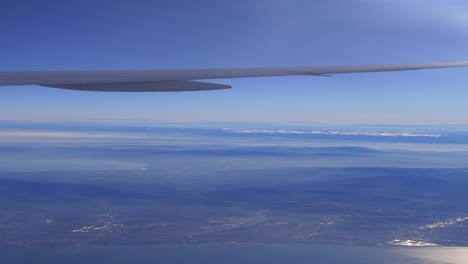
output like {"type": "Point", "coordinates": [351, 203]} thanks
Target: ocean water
{"type": "Point", "coordinates": [227, 254]}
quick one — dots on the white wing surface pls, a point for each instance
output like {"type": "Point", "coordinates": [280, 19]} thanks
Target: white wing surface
{"type": "Point", "coordinates": [185, 79]}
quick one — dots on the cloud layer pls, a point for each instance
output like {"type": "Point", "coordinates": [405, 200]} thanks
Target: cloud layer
{"type": "Point", "coordinates": [333, 133]}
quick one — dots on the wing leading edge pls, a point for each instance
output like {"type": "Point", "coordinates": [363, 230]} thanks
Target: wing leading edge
{"type": "Point", "coordinates": [185, 79]}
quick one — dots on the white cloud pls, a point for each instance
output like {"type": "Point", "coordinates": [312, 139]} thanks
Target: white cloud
{"type": "Point", "coordinates": [411, 243]}
{"type": "Point", "coordinates": [333, 132]}
{"type": "Point", "coordinates": [445, 223]}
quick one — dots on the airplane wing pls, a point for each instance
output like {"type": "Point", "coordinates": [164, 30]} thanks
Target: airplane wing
{"type": "Point", "coordinates": [184, 79]}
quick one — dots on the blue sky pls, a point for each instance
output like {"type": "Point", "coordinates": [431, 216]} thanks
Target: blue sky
{"type": "Point", "coordinates": [84, 35]}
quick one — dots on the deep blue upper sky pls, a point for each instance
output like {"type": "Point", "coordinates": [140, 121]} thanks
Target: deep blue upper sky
{"type": "Point", "coordinates": [82, 35]}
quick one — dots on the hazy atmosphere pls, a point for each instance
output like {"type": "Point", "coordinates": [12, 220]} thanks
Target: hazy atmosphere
{"type": "Point", "coordinates": [350, 168]}
{"type": "Point", "coordinates": [232, 192]}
